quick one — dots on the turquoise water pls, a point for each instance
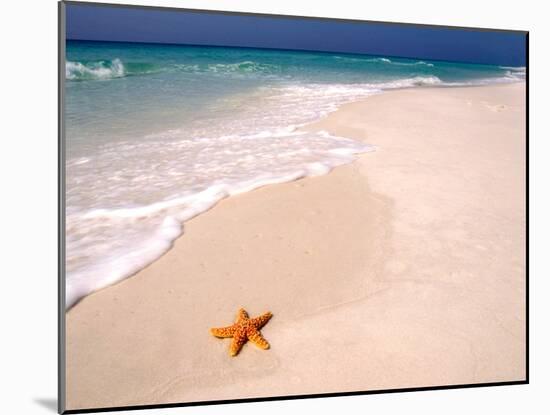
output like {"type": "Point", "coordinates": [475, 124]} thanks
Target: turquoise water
{"type": "Point", "coordinates": [156, 134]}
{"type": "Point", "coordinates": [163, 85]}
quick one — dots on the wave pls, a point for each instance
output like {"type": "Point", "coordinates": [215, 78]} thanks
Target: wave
{"type": "Point", "coordinates": [515, 72]}
{"type": "Point", "coordinates": [112, 69]}
{"type": "Point", "coordinates": [384, 61]}
{"type": "Point", "coordinates": [435, 81]}
{"type": "Point", "coordinates": [411, 63]}
{"type": "Point", "coordinates": [339, 93]}
{"type": "Point", "coordinates": [411, 82]}
{"type": "Point", "coordinates": [399, 63]}
{"type": "Point", "coordinates": [121, 241]}
{"type": "Point", "coordinates": [485, 81]}
{"type": "Point", "coordinates": [245, 67]}
{"type": "Point", "coordinates": [105, 69]}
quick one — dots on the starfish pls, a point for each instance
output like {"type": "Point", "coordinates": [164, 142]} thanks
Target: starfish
{"type": "Point", "coordinates": [244, 329]}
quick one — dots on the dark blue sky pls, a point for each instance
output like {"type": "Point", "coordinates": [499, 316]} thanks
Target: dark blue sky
{"type": "Point", "coordinates": [109, 23]}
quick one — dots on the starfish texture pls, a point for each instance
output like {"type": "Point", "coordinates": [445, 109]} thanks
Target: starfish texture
{"type": "Point", "coordinates": [244, 329]}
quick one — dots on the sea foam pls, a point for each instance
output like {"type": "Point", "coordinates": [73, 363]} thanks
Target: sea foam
{"type": "Point", "coordinates": [106, 245]}
{"type": "Point", "coordinates": [103, 69]}
{"type": "Point", "coordinates": [123, 212]}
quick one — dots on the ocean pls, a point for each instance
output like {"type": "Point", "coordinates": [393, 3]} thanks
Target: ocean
{"type": "Point", "coordinates": [156, 134]}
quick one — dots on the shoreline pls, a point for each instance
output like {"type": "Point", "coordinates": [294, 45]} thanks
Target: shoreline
{"type": "Point", "coordinates": [75, 299]}
{"type": "Point", "coordinates": [286, 247]}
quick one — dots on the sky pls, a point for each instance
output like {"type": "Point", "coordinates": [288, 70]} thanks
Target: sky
{"type": "Point", "coordinates": [125, 24]}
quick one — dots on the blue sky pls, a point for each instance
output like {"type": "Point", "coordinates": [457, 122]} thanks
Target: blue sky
{"type": "Point", "coordinates": [108, 23]}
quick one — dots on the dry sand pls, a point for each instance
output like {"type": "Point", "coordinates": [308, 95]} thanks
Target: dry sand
{"type": "Point", "coordinates": [403, 269]}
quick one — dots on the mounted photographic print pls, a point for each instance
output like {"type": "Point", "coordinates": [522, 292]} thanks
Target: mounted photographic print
{"type": "Point", "coordinates": [261, 207]}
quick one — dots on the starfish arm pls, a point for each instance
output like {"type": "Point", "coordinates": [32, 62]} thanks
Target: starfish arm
{"type": "Point", "coordinates": [260, 321]}
{"type": "Point", "coordinates": [255, 337]}
{"type": "Point", "coordinates": [239, 338]}
{"type": "Point", "coordinates": [242, 315]}
{"type": "Point", "coordinates": [223, 331]}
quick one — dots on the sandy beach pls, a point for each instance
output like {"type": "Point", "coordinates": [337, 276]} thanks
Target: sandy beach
{"type": "Point", "coordinates": [403, 269]}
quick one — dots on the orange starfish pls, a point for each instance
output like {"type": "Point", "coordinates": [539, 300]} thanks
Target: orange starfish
{"type": "Point", "coordinates": [244, 329]}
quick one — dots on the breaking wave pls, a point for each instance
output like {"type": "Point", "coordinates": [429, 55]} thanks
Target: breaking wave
{"type": "Point", "coordinates": [105, 69]}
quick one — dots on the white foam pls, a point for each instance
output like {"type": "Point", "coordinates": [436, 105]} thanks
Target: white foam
{"type": "Point", "coordinates": [400, 63]}
{"type": "Point", "coordinates": [95, 70]}
{"type": "Point", "coordinates": [117, 264]}
{"type": "Point", "coordinates": [108, 244]}
{"type": "Point", "coordinates": [515, 73]}
{"type": "Point", "coordinates": [244, 68]}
